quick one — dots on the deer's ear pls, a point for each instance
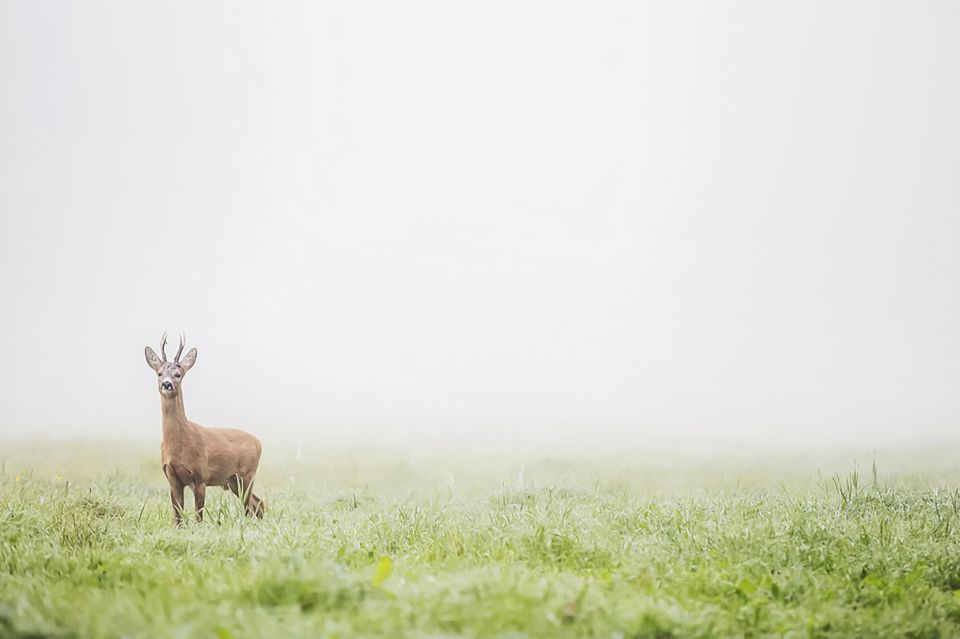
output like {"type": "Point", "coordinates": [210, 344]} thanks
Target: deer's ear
{"type": "Point", "coordinates": [152, 360]}
{"type": "Point", "coordinates": [189, 360]}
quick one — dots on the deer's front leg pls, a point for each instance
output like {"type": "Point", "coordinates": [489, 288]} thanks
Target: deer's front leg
{"type": "Point", "coordinates": [176, 493]}
{"type": "Point", "coordinates": [199, 495]}
{"type": "Point", "coordinates": [176, 498]}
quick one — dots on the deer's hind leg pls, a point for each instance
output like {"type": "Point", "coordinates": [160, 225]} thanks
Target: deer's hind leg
{"type": "Point", "coordinates": [255, 505]}
{"type": "Point", "coordinates": [243, 488]}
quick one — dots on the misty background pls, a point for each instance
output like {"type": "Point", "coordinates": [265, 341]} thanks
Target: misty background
{"type": "Point", "coordinates": [477, 222]}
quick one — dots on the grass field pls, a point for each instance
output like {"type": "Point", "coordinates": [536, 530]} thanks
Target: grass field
{"type": "Point", "coordinates": [367, 543]}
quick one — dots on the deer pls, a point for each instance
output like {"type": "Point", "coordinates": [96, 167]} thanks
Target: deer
{"type": "Point", "coordinates": [193, 455]}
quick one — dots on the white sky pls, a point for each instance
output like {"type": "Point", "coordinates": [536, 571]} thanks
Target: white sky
{"type": "Point", "coordinates": [384, 221]}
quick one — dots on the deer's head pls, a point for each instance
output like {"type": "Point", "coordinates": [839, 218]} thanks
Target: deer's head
{"type": "Point", "coordinates": [170, 374]}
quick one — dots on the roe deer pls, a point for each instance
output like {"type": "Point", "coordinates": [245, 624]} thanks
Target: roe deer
{"type": "Point", "coordinates": [195, 456]}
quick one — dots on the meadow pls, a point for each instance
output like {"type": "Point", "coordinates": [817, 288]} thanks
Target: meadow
{"type": "Point", "coordinates": [376, 543]}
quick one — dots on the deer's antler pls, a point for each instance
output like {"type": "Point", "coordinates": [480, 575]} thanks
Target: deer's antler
{"type": "Point", "coordinates": [163, 347]}
{"type": "Point", "coordinates": [183, 340]}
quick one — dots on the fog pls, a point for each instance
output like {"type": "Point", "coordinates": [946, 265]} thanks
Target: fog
{"type": "Point", "coordinates": [421, 223]}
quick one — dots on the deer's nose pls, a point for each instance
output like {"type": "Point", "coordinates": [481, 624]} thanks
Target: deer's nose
{"type": "Point", "coordinates": [166, 385]}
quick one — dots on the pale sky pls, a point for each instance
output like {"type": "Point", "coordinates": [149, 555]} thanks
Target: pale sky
{"type": "Point", "coordinates": [456, 221]}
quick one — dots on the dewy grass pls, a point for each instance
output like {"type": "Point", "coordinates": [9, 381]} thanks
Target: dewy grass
{"type": "Point", "coordinates": [367, 545]}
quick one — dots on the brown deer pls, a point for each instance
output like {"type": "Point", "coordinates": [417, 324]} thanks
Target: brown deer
{"type": "Point", "coordinates": [195, 456]}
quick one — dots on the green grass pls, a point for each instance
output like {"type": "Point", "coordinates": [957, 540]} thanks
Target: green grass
{"type": "Point", "coordinates": [367, 544]}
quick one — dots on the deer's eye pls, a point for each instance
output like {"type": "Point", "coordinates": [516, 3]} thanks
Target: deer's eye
{"type": "Point", "coordinates": [159, 373]}
{"type": "Point", "coordinates": [177, 374]}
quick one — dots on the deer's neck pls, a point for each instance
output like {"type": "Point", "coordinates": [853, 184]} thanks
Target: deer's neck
{"type": "Point", "coordinates": [174, 417]}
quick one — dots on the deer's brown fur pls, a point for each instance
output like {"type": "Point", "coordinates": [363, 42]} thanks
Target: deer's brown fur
{"type": "Point", "coordinates": [197, 457]}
